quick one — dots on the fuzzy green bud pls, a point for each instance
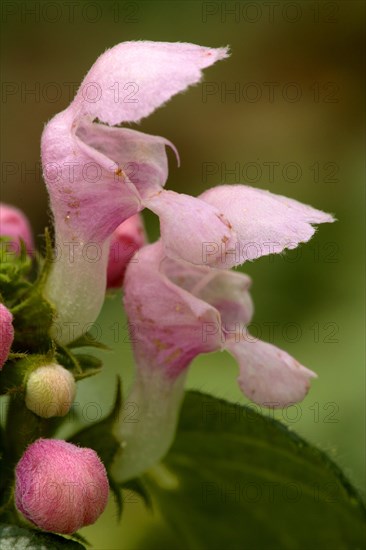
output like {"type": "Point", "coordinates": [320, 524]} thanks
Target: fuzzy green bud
{"type": "Point", "coordinates": [50, 391]}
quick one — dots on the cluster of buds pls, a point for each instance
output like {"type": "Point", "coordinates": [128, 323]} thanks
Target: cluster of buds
{"type": "Point", "coordinates": [179, 292]}
{"type": "Point", "coordinates": [59, 486]}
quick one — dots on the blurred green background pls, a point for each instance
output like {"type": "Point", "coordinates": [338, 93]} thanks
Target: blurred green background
{"type": "Point", "coordinates": [296, 128]}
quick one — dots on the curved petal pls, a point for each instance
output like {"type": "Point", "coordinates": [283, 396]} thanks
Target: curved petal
{"type": "Point", "coordinates": [269, 376]}
{"type": "Point", "coordinates": [141, 157]}
{"type": "Point", "coordinates": [263, 222]}
{"type": "Point", "coordinates": [190, 228]}
{"type": "Point", "coordinates": [132, 79]}
{"type": "Point", "coordinates": [89, 196]}
{"type": "Point", "coordinates": [226, 291]}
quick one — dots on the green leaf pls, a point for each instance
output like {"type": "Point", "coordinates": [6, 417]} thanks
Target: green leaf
{"type": "Point", "coordinates": [237, 480]}
{"type": "Point", "coordinates": [82, 365]}
{"type": "Point", "coordinates": [13, 537]}
{"type": "Point", "coordinates": [87, 340]}
{"type": "Point", "coordinates": [33, 318]}
{"type": "Point", "coordinates": [16, 372]}
{"type": "Point", "coordinates": [137, 486]}
{"type": "Point", "coordinates": [89, 365]}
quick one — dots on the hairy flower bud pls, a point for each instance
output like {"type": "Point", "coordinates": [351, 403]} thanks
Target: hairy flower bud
{"type": "Point", "coordinates": [14, 224]}
{"type": "Point", "coordinates": [50, 391]}
{"type": "Point", "coordinates": [6, 334]}
{"type": "Point", "coordinates": [60, 487]}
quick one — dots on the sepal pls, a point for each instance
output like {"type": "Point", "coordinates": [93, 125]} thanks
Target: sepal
{"type": "Point", "coordinates": [15, 373]}
{"type": "Point", "coordinates": [14, 268]}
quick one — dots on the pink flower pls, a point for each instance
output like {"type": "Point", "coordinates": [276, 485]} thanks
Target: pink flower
{"type": "Point", "coordinates": [6, 334]}
{"type": "Point", "coordinates": [126, 240]}
{"type": "Point", "coordinates": [15, 225]}
{"type": "Point", "coordinates": [177, 311]}
{"type": "Point", "coordinates": [60, 487]}
{"type": "Point", "coordinates": [98, 175]}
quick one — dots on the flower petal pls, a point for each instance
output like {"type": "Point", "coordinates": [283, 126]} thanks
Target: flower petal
{"type": "Point", "coordinates": [141, 157]}
{"type": "Point", "coordinates": [166, 321]}
{"type": "Point", "coordinates": [264, 223]}
{"type": "Point", "coordinates": [269, 376]}
{"type": "Point", "coordinates": [226, 291]}
{"type": "Point", "coordinates": [132, 79]}
{"type": "Point", "coordinates": [89, 197]}
{"type": "Point", "coordinates": [190, 228]}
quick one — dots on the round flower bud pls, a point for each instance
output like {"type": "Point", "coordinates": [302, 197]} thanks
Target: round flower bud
{"type": "Point", "coordinates": [6, 334]}
{"type": "Point", "coordinates": [126, 240]}
{"type": "Point", "coordinates": [50, 391]}
{"type": "Point", "coordinates": [14, 224]}
{"type": "Point", "coordinates": [60, 487]}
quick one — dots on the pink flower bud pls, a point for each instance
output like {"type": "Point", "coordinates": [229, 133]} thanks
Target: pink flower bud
{"type": "Point", "coordinates": [126, 240]}
{"type": "Point", "coordinates": [6, 334]}
{"type": "Point", "coordinates": [60, 487]}
{"type": "Point", "coordinates": [50, 391]}
{"type": "Point", "coordinates": [15, 225]}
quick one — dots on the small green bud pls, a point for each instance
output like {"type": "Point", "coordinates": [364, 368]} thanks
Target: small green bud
{"type": "Point", "coordinates": [50, 391]}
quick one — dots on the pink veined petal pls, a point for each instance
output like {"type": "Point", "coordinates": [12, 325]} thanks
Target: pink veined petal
{"type": "Point", "coordinates": [89, 196]}
{"type": "Point", "coordinates": [264, 223]}
{"type": "Point", "coordinates": [96, 175]}
{"type": "Point", "coordinates": [167, 322]}
{"type": "Point", "coordinates": [126, 240]}
{"type": "Point", "coordinates": [226, 291]}
{"type": "Point", "coordinates": [132, 79]}
{"type": "Point", "coordinates": [269, 376]}
{"type": "Point", "coordinates": [141, 157]}
{"type": "Point", "coordinates": [190, 228]}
